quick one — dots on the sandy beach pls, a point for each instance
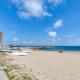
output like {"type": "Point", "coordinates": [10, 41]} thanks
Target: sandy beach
{"type": "Point", "coordinates": [51, 65]}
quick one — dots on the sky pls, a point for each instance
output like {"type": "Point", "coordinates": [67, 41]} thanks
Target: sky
{"type": "Point", "coordinates": [40, 22]}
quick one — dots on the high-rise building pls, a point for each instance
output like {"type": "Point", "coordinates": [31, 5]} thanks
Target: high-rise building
{"type": "Point", "coordinates": [1, 37]}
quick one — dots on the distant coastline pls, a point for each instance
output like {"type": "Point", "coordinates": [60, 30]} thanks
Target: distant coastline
{"type": "Point", "coordinates": [52, 48]}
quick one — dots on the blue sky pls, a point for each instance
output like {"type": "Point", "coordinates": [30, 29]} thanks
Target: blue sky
{"type": "Point", "coordinates": [41, 22]}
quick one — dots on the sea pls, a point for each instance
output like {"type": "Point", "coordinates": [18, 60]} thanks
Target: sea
{"type": "Point", "coordinates": [62, 48]}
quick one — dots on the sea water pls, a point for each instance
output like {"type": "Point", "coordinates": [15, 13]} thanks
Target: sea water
{"type": "Point", "coordinates": [64, 48]}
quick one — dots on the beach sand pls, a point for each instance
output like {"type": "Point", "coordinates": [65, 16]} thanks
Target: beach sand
{"type": "Point", "coordinates": [51, 65]}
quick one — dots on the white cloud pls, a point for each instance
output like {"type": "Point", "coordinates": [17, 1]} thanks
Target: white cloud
{"type": "Point", "coordinates": [78, 40]}
{"type": "Point", "coordinates": [15, 39]}
{"type": "Point", "coordinates": [58, 23]}
{"type": "Point", "coordinates": [23, 14]}
{"type": "Point", "coordinates": [27, 8]}
{"type": "Point", "coordinates": [56, 2]}
{"type": "Point", "coordinates": [52, 34]}
{"type": "Point", "coordinates": [36, 8]}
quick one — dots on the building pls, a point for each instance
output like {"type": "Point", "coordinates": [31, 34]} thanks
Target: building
{"type": "Point", "coordinates": [1, 38]}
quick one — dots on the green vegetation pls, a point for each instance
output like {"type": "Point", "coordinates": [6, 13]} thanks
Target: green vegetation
{"type": "Point", "coordinates": [13, 71]}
